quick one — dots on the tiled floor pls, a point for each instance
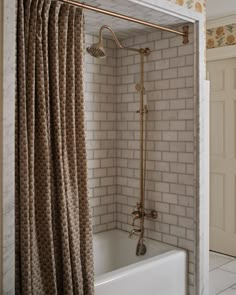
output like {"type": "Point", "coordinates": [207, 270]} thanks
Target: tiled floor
{"type": "Point", "coordinates": [222, 274]}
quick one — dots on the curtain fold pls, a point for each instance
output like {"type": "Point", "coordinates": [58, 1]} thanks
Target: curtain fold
{"type": "Point", "coordinates": [54, 252]}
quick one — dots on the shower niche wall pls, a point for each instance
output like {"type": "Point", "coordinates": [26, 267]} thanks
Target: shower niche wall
{"type": "Point", "coordinates": [113, 132]}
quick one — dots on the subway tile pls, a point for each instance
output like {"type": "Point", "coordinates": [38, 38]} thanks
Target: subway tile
{"type": "Point", "coordinates": [186, 244]}
{"type": "Point", "coordinates": [185, 71]}
{"type": "Point", "coordinates": [162, 44]}
{"type": "Point", "coordinates": [162, 166]}
{"type": "Point", "coordinates": [185, 201]}
{"type": "Point", "coordinates": [169, 135]}
{"type": "Point", "coordinates": [169, 219]}
{"type": "Point", "coordinates": [162, 105]}
{"type": "Point", "coordinates": [186, 157]}
{"type": "Point", "coordinates": [169, 198]}
{"type": "Point", "coordinates": [177, 62]}
{"type": "Point", "coordinates": [177, 146]}
{"type": "Point", "coordinates": [154, 36]}
{"type": "Point", "coordinates": [155, 75]}
{"type": "Point", "coordinates": [154, 235]}
{"type": "Point", "coordinates": [107, 218]}
{"type": "Point", "coordinates": [169, 156]}
{"type": "Point", "coordinates": [162, 207]}
{"type": "Point", "coordinates": [170, 53]}
{"type": "Point", "coordinates": [162, 64]}
{"type": "Point", "coordinates": [176, 41]}
{"type": "Point", "coordinates": [112, 134]}
{"type": "Point", "coordinates": [185, 93]}
{"type": "Point", "coordinates": [99, 210]}
{"type": "Point", "coordinates": [177, 104]}
{"type": "Point", "coordinates": [169, 239]}
{"type": "Point", "coordinates": [162, 84]}
{"type": "Point", "coordinates": [170, 73]}
{"type": "Point", "coordinates": [177, 125]}
{"type": "Point", "coordinates": [177, 83]}
{"type": "Point", "coordinates": [177, 231]}
{"type": "Point", "coordinates": [162, 187]}
{"type": "Point", "coordinates": [177, 189]}
{"type": "Point", "coordinates": [186, 222]}
{"type": "Point", "coordinates": [185, 50]}
{"type": "Point", "coordinates": [177, 210]}
{"type": "Point", "coordinates": [170, 94]}
{"type": "Point", "coordinates": [185, 114]}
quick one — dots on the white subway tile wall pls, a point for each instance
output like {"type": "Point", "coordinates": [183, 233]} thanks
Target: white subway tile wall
{"type": "Point", "coordinates": [169, 80]}
{"type": "Point", "coordinates": [100, 119]}
{"type": "Point", "coordinates": [113, 138]}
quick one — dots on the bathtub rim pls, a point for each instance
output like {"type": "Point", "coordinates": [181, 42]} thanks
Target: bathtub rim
{"type": "Point", "coordinates": [132, 268]}
{"type": "Point", "coordinates": [135, 237]}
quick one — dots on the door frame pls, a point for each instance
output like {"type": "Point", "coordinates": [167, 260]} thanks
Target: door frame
{"type": "Point", "coordinates": [221, 53]}
{"type": "Point", "coordinates": [218, 54]}
{"type": "Point", "coordinates": [214, 54]}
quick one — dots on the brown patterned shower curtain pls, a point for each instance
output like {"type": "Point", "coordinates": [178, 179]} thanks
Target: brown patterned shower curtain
{"type": "Point", "coordinates": [53, 223]}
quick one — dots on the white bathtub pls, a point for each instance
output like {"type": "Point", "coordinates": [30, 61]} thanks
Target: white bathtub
{"type": "Point", "coordinates": [118, 271]}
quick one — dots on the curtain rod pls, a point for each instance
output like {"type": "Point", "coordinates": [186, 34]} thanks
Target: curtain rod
{"type": "Point", "coordinates": [129, 18]}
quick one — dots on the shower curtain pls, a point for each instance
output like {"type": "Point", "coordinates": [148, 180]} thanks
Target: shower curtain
{"type": "Point", "coordinates": [54, 252]}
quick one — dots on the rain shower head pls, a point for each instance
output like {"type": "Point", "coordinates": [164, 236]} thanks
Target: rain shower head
{"type": "Point", "coordinates": [97, 50]}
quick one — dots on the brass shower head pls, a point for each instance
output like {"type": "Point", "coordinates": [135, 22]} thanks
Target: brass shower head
{"type": "Point", "coordinates": [97, 49]}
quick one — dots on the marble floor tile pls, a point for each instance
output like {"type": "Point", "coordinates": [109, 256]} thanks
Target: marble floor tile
{"type": "Point", "coordinates": [220, 280]}
{"type": "Point", "coordinates": [228, 292]}
{"type": "Point", "coordinates": [231, 266]}
{"type": "Point", "coordinates": [217, 260]}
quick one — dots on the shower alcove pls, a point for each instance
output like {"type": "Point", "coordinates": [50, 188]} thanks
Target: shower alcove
{"type": "Point", "coordinates": [113, 128]}
{"type": "Point", "coordinates": [177, 166]}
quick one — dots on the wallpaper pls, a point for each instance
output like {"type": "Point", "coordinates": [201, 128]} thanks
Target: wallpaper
{"type": "Point", "coordinates": [196, 5]}
{"type": "Point", "coordinates": [221, 36]}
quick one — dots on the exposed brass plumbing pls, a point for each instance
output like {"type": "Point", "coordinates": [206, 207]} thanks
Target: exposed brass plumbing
{"type": "Point", "coordinates": [97, 50]}
{"type": "Point", "coordinates": [140, 213]}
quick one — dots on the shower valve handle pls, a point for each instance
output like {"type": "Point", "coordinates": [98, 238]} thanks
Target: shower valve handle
{"type": "Point", "coordinates": [152, 214]}
{"type": "Point", "coordinates": [136, 215]}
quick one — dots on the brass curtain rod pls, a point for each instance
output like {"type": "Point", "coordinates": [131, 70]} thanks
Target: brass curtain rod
{"type": "Point", "coordinates": [129, 18]}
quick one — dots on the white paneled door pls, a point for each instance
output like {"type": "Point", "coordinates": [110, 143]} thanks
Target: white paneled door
{"type": "Point", "coordinates": [223, 156]}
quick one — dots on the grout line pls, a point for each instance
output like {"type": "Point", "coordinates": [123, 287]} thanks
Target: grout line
{"type": "Point", "coordinates": [229, 287]}
{"type": "Point", "coordinates": [221, 266]}
{"type": "Point", "coordinates": [226, 289]}
{"type": "Point", "coordinates": [228, 271]}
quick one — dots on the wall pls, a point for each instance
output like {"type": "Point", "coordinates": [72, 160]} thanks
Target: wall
{"type": "Point", "coordinates": [100, 114]}
{"type": "Point", "coordinates": [7, 110]}
{"type": "Point", "coordinates": [113, 138]}
{"type": "Point", "coordinates": [1, 94]}
{"type": "Point", "coordinates": [187, 6]}
{"type": "Point", "coordinates": [170, 186]}
{"type": "Point", "coordinates": [196, 5]}
{"type": "Point", "coordinates": [221, 36]}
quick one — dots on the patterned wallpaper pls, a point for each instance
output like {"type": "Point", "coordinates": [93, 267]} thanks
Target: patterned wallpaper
{"type": "Point", "coordinates": [196, 5]}
{"type": "Point", "coordinates": [221, 36]}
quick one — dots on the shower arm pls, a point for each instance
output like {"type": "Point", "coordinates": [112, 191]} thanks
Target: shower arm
{"type": "Point", "coordinates": [115, 39]}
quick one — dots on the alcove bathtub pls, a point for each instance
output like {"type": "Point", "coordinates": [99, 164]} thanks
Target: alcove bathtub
{"type": "Point", "coordinates": [118, 271]}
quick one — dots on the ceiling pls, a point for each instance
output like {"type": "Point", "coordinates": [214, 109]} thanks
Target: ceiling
{"type": "Point", "coordinates": [217, 8]}
{"type": "Point", "coordinates": [124, 29]}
